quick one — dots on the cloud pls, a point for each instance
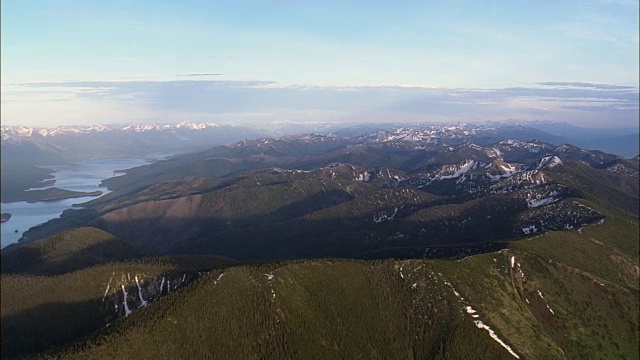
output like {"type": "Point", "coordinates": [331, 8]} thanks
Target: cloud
{"type": "Point", "coordinates": [581, 103]}
{"type": "Point", "coordinates": [200, 74]}
{"type": "Point", "coordinates": [605, 108]}
{"type": "Point", "coordinates": [587, 85]}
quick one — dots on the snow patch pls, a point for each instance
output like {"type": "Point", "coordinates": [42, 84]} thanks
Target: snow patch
{"type": "Point", "coordinates": [142, 302]}
{"type": "Point", "coordinates": [108, 284]}
{"type": "Point", "coordinates": [533, 202]}
{"type": "Point", "coordinates": [549, 162]}
{"type": "Point", "coordinates": [551, 310]}
{"type": "Point", "coordinates": [106, 291]}
{"type": "Point", "coordinates": [465, 168]}
{"type": "Point", "coordinates": [363, 176]}
{"type": "Point", "coordinates": [215, 282]}
{"type": "Point", "coordinates": [495, 337]}
{"type": "Point", "coordinates": [457, 294]}
{"type": "Point", "coordinates": [508, 170]}
{"type": "Point", "coordinates": [124, 302]}
{"type": "Point", "coordinates": [384, 217]}
{"type": "Point", "coordinates": [529, 230]}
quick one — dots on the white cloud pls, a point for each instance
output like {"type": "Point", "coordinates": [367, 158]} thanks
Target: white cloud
{"type": "Point", "coordinates": [582, 103]}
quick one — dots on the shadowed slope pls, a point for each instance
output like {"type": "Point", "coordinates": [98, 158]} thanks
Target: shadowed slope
{"type": "Point", "coordinates": [68, 251]}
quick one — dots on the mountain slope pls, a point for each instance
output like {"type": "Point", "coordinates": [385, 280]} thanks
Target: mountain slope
{"type": "Point", "coordinates": [535, 300]}
{"type": "Point", "coordinates": [65, 288]}
{"type": "Point", "coordinates": [453, 199]}
{"type": "Point", "coordinates": [16, 178]}
{"type": "Point", "coordinates": [307, 310]}
{"type": "Point", "coordinates": [66, 252]}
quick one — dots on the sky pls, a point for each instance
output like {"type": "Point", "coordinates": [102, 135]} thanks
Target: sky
{"type": "Point", "coordinates": [93, 62]}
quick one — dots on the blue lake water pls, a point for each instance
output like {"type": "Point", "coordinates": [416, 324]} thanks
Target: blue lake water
{"type": "Point", "coordinates": [84, 176]}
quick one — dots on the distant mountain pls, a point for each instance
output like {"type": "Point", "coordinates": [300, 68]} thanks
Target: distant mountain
{"type": "Point", "coordinates": [624, 145]}
{"type": "Point", "coordinates": [12, 132]}
{"type": "Point", "coordinates": [398, 193]}
{"type": "Point", "coordinates": [569, 131]}
{"type": "Point", "coordinates": [39, 146]}
{"type": "Point", "coordinates": [44, 146]}
{"type": "Point", "coordinates": [619, 141]}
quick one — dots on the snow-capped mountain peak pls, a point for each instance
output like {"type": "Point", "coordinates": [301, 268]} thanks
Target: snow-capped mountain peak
{"type": "Point", "coordinates": [9, 132]}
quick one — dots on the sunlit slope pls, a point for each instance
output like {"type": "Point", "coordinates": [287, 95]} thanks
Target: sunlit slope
{"type": "Point", "coordinates": [613, 186]}
{"type": "Point", "coordinates": [567, 294]}
{"type": "Point", "coordinates": [301, 310]}
{"type": "Point", "coordinates": [532, 301]}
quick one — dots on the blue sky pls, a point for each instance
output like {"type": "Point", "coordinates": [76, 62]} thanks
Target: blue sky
{"type": "Point", "coordinates": [91, 62]}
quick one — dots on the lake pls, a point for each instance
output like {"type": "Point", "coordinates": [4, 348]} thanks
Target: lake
{"type": "Point", "coordinates": [84, 176]}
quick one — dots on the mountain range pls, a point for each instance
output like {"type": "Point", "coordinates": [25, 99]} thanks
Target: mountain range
{"type": "Point", "coordinates": [65, 144]}
{"type": "Point", "coordinates": [432, 241]}
{"type": "Point", "coordinates": [46, 146]}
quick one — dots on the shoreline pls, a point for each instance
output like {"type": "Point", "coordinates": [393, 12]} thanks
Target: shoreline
{"type": "Point", "coordinates": [4, 217]}
{"type": "Point", "coordinates": [48, 195]}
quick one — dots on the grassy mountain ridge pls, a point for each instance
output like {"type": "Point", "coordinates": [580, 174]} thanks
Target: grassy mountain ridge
{"type": "Point", "coordinates": [563, 294]}
{"type": "Point", "coordinates": [535, 301]}
{"type": "Point", "coordinates": [65, 288]}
